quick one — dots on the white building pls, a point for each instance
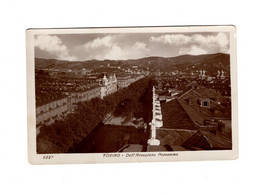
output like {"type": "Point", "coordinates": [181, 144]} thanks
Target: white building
{"type": "Point", "coordinates": [156, 119]}
{"type": "Point", "coordinates": [108, 86]}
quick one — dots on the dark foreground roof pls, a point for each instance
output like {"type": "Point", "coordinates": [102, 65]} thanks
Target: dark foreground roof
{"type": "Point", "coordinates": [133, 148]}
{"type": "Point", "coordinates": [181, 140]}
{"type": "Point", "coordinates": [207, 141]}
{"type": "Point", "coordinates": [175, 117]}
{"type": "Point", "coordinates": [159, 148]}
{"type": "Point", "coordinates": [174, 137]}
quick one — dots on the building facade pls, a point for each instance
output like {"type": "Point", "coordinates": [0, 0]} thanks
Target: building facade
{"type": "Point", "coordinates": [125, 81]}
{"type": "Point", "coordinates": [108, 86]}
{"type": "Point", "coordinates": [81, 96]}
{"type": "Point", "coordinates": [49, 112]}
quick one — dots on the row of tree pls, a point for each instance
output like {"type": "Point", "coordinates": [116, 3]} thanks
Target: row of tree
{"type": "Point", "coordinates": [60, 136]}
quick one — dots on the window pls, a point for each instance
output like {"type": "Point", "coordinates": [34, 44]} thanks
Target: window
{"type": "Point", "coordinates": [205, 103]}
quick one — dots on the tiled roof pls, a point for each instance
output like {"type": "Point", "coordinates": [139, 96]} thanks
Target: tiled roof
{"type": "Point", "coordinates": [217, 141]}
{"type": "Point", "coordinates": [178, 148]}
{"type": "Point", "coordinates": [181, 115]}
{"type": "Point", "coordinates": [133, 148]}
{"type": "Point", "coordinates": [173, 137]}
{"type": "Point", "coordinates": [211, 94]}
{"type": "Point", "coordinates": [207, 141]}
{"type": "Point", "coordinates": [175, 117]}
{"type": "Point", "coordinates": [193, 83]}
{"type": "Point", "coordinates": [190, 102]}
{"type": "Point", "coordinates": [197, 141]}
{"type": "Point", "coordinates": [157, 148]}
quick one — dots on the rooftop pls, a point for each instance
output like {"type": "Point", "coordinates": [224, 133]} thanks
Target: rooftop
{"type": "Point", "coordinates": [174, 137]}
{"type": "Point", "coordinates": [158, 148]}
{"type": "Point", "coordinates": [190, 102]}
{"type": "Point", "coordinates": [207, 140]}
{"type": "Point", "coordinates": [175, 117]}
{"type": "Point", "coordinates": [44, 97]}
{"type": "Point", "coordinates": [133, 148]}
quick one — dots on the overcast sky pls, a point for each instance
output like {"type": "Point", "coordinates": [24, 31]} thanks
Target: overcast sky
{"type": "Point", "coordinates": [122, 46]}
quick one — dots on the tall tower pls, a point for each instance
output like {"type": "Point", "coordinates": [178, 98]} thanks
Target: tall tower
{"type": "Point", "coordinates": [222, 75]}
{"type": "Point", "coordinates": [103, 87]}
{"type": "Point", "coordinates": [105, 80]}
{"type": "Point", "coordinates": [203, 76]}
{"type": "Point", "coordinates": [218, 75]}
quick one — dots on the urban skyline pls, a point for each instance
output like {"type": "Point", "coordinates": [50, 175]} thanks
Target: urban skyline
{"type": "Point", "coordinates": [107, 107]}
{"type": "Point", "coordinates": [174, 95]}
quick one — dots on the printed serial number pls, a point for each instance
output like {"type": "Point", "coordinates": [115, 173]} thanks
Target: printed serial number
{"type": "Point", "coordinates": [48, 157]}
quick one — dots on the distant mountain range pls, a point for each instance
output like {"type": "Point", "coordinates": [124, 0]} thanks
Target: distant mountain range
{"type": "Point", "coordinates": [186, 63]}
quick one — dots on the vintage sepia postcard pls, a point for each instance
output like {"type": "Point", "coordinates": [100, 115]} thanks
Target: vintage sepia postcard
{"type": "Point", "coordinates": [131, 94]}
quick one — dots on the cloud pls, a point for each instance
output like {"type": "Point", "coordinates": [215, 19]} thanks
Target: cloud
{"type": "Point", "coordinates": [195, 43]}
{"type": "Point", "coordinates": [193, 50]}
{"type": "Point", "coordinates": [219, 40]}
{"type": "Point", "coordinates": [99, 42]}
{"type": "Point", "coordinates": [53, 45]}
{"type": "Point", "coordinates": [108, 48]}
{"type": "Point", "coordinates": [104, 48]}
{"type": "Point", "coordinates": [174, 39]}
{"type": "Point", "coordinates": [111, 47]}
{"type": "Point", "coordinates": [140, 46]}
{"type": "Point", "coordinates": [115, 53]}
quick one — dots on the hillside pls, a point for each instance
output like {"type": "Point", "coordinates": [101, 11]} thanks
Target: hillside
{"type": "Point", "coordinates": [208, 62]}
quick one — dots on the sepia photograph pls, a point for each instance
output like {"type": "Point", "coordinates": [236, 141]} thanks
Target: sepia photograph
{"type": "Point", "coordinates": [131, 94]}
{"type": "Point", "coordinates": [127, 97]}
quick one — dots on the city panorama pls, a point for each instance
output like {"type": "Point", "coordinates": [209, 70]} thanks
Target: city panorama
{"type": "Point", "coordinates": [132, 92]}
